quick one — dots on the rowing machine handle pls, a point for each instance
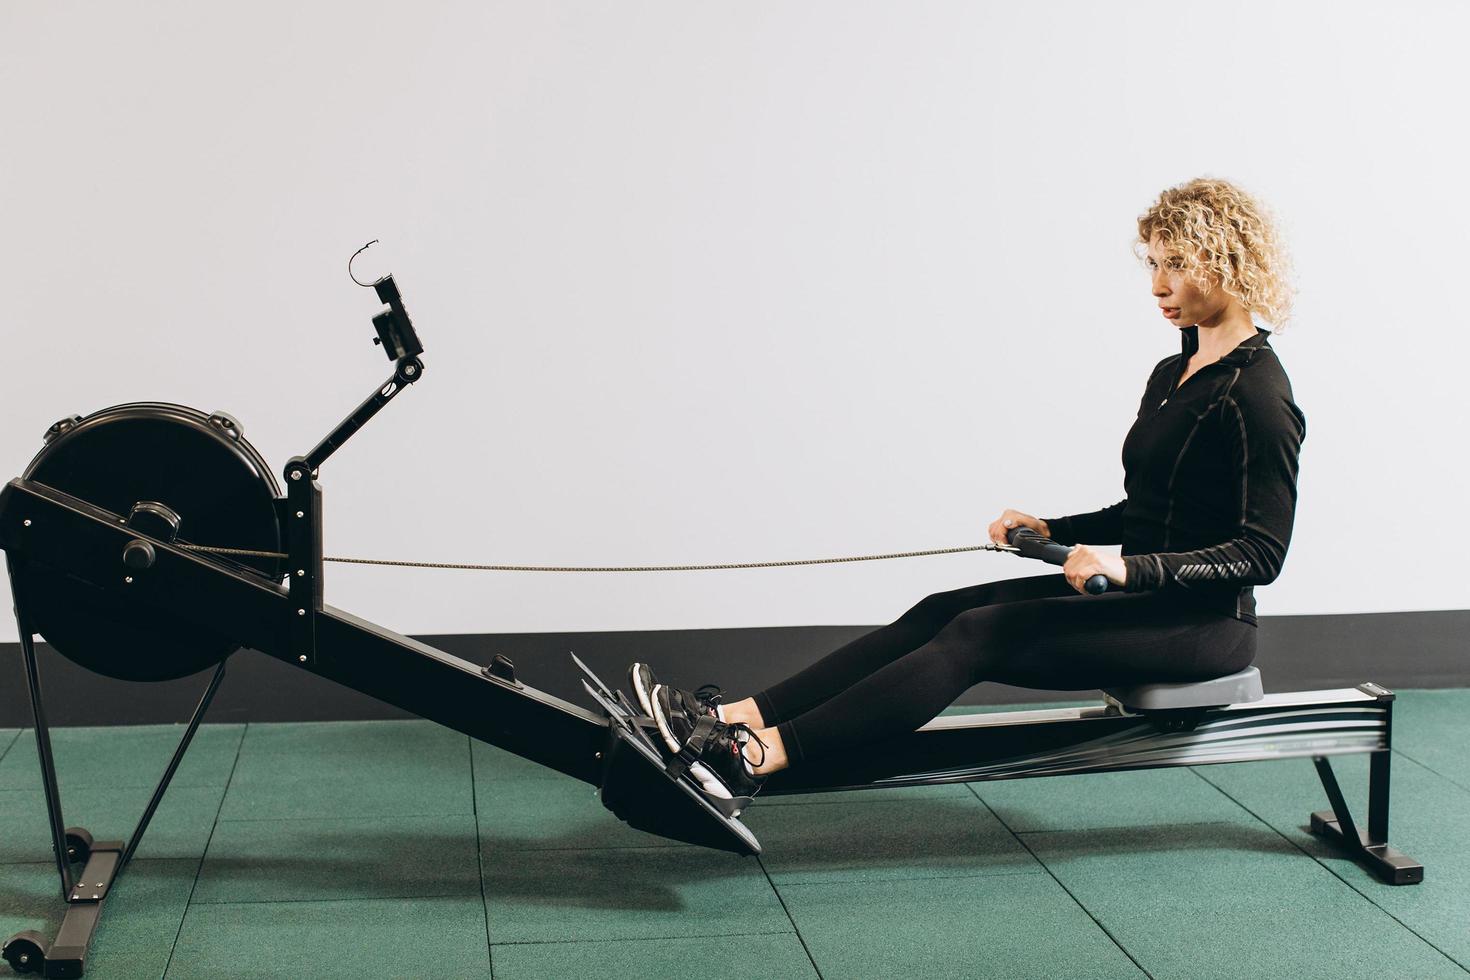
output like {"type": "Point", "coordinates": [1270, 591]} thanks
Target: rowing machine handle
{"type": "Point", "coordinates": [1029, 544]}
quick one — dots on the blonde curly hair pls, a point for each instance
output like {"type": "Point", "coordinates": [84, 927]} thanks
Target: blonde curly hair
{"type": "Point", "coordinates": [1226, 238]}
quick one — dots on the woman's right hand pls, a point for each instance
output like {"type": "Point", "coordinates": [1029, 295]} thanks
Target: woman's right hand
{"type": "Point", "coordinates": [1012, 519]}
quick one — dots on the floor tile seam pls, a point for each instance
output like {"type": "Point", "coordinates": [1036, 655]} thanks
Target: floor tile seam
{"type": "Point", "coordinates": [563, 850]}
{"type": "Point", "coordinates": [175, 783]}
{"type": "Point", "coordinates": [414, 722]}
{"type": "Point", "coordinates": [1141, 828]}
{"type": "Point", "coordinates": [454, 813]}
{"type": "Point", "coordinates": [358, 819]}
{"type": "Point", "coordinates": [879, 802]}
{"type": "Point", "coordinates": [405, 768]}
{"type": "Point", "coordinates": [161, 726]}
{"type": "Point", "coordinates": [431, 896]}
{"type": "Point", "coordinates": [639, 939]}
{"type": "Point", "coordinates": [766, 804]}
{"type": "Point", "coordinates": [377, 778]}
{"type": "Point", "coordinates": [1334, 872]}
{"type": "Point", "coordinates": [110, 786]}
{"type": "Point", "coordinates": [771, 882]}
{"type": "Point", "coordinates": [779, 881]}
{"type": "Point", "coordinates": [189, 902]}
{"type": "Point", "coordinates": [483, 788]}
{"type": "Point", "coordinates": [494, 849]}
{"type": "Point", "coordinates": [1053, 875]}
{"type": "Point", "coordinates": [480, 861]}
{"type": "Point", "coordinates": [143, 855]}
{"type": "Point", "coordinates": [14, 737]}
{"type": "Point", "coordinates": [1430, 769]}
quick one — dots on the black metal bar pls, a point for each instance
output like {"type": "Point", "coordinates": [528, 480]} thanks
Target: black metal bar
{"type": "Point", "coordinates": [43, 736]}
{"type": "Point", "coordinates": [1348, 829]}
{"type": "Point", "coordinates": [1379, 767]}
{"type": "Point", "coordinates": [436, 685]}
{"type": "Point", "coordinates": [304, 548]}
{"type": "Point", "coordinates": [409, 370]}
{"type": "Point", "coordinates": [173, 764]}
{"type": "Point", "coordinates": [1378, 783]}
{"type": "Point", "coordinates": [67, 954]}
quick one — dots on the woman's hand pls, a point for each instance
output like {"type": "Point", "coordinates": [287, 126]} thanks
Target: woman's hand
{"type": "Point", "coordinates": [1012, 519]}
{"type": "Point", "coordinates": [1084, 562]}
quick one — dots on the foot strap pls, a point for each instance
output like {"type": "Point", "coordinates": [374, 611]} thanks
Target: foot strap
{"type": "Point", "coordinates": [693, 746]}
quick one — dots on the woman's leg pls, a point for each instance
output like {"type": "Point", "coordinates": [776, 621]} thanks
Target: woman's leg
{"type": "Point", "coordinates": [1070, 643]}
{"type": "Point", "coordinates": [873, 651]}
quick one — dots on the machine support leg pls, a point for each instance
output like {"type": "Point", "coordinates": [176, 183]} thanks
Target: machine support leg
{"type": "Point", "coordinates": [173, 765]}
{"type": "Point", "coordinates": [1340, 810]}
{"type": "Point", "coordinates": [102, 861]}
{"type": "Point", "coordinates": [43, 749]}
{"type": "Point", "coordinates": [1378, 764]}
{"type": "Point", "coordinates": [1370, 849]}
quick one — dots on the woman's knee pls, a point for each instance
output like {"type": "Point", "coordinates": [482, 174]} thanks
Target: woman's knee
{"type": "Point", "coordinates": [998, 620]}
{"type": "Point", "coordinates": [988, 637]}
{"type": "Point", "coordinates": [925, 610]}
{"type": "Point", "coordinates": [941, 607]}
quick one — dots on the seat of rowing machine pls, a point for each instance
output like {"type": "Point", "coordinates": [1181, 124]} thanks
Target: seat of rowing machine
{"type": "Point", "coordinates": [1237, 688]}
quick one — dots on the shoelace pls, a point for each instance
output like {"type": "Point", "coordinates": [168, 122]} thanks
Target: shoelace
{"type": "Point", "coordinates": [709, 695]}
{"type": "Point", "coordinates": [733, 729]}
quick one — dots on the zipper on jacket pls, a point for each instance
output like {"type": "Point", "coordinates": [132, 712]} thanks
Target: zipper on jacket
{"type": "Point", "coordinates": [1175, 386]}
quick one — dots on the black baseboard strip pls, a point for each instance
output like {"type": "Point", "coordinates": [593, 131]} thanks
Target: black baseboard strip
{"type": "Point", "coordinates": [1408, 650]}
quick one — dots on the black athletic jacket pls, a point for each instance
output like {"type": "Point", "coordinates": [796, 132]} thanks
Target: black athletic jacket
{"type": "Point", "coordinates": [1210, 477]}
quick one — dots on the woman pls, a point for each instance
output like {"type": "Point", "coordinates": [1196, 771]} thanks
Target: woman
{"type": "Point", "coordinates": [1211, 467]}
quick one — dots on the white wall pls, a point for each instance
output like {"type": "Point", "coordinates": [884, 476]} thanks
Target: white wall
{"type": "Point", "coordinates": [725, 282]}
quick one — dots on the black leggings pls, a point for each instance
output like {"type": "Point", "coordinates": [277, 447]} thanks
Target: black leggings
{"type": "Point", "coordinates": [1035, 632]}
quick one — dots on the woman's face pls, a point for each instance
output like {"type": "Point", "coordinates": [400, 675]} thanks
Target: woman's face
{"type": "Point", "coordinates": [1183, 303]}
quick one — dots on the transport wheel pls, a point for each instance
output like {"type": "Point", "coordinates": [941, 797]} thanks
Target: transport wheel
{"type": "Point", "coordinates": [78, 845]}
{"type": "Point", "coordinates": [201, 468]}
{"type": "Point", "coordinates": [25, 952]}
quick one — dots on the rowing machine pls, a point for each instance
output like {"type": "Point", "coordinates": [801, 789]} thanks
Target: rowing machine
{"type": "Point", "coordinates": [150, 541]}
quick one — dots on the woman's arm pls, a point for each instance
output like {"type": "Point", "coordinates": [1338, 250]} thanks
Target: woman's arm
{"type": "Point", "coordinates": [1103, 526]}
{"type": "Point", "coordinates": [1266, 430]}
{"type": "Point", "coordinates": [1099, 527]}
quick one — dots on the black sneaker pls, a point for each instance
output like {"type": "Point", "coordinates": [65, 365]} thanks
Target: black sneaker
{"type": "Point", "coordinates": [710, 749]}
{"type": "Point", "coordinates": [691, 704]}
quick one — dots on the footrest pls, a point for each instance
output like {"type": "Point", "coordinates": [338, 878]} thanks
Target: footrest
{"type": "Point", "coordinates": [636, 785]}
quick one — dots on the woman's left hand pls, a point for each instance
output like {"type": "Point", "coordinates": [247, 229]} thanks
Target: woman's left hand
{"type": "Point", "coordinates": [1084, 562]}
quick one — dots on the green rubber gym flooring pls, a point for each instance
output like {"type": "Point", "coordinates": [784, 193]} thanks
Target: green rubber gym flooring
{"type": "Point", "coordinates": [402, 849]}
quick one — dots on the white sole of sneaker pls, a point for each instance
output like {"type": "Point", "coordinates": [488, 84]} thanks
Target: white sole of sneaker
{"type": "Point", "coordinates": [662, 721]}
{"type": "Point", "coordinates": [711, 784]}
{"type": "Point", "coordinates": [643, 687]}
